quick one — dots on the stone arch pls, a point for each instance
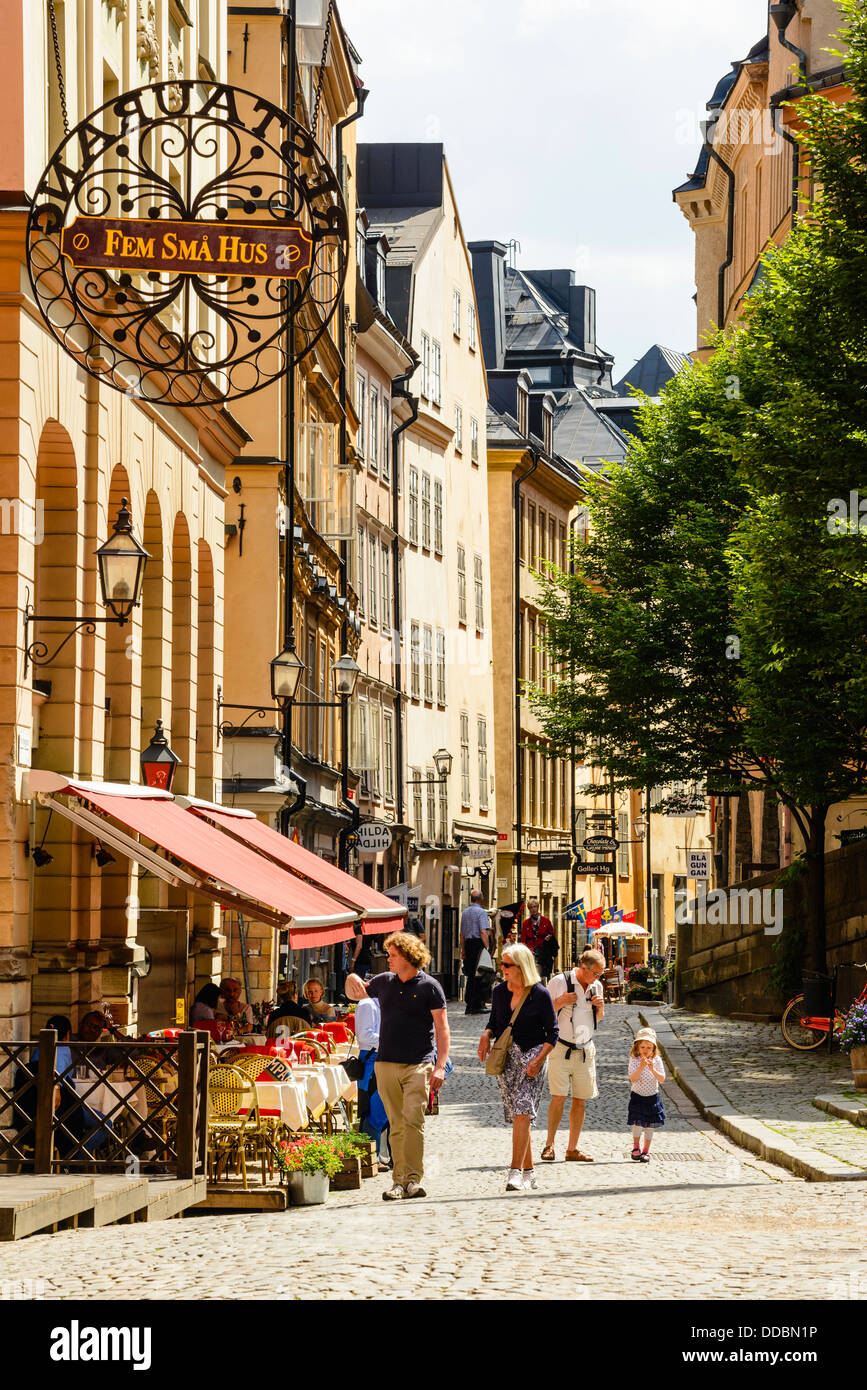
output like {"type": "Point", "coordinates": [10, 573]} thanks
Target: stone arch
{"type": "Point", "coordinates": [57, 590]}
{"type": "Point", "coordinates": [183, 716]}
{"type": "Point", "coordinates": [156, 693]}
{"type": "Point", "coordinates": [206, 685]}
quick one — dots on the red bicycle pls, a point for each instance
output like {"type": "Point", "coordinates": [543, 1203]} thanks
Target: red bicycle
{"type": "Point", "coordinates": [807, 1031]}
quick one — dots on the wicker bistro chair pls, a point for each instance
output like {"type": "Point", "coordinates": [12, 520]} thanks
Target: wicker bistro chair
{"type": "Point", "coordinates": [612, 985]}
{"type": "Point", "coordinates": [235, 1126]}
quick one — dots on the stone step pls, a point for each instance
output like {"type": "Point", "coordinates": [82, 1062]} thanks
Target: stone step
{"type": "Point", "coordinates": [35, 1202]}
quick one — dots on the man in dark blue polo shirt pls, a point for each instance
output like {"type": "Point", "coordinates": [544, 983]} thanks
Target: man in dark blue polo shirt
{"type": "Point", "coordinates": [414, 1029]}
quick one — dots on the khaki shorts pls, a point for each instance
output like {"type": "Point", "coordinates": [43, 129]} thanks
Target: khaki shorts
{"type": "Point", "coordinates": [581, 1073]}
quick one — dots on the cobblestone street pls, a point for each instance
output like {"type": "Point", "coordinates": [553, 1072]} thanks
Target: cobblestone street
{"type": "Point", "coordinates": [703, 1219]}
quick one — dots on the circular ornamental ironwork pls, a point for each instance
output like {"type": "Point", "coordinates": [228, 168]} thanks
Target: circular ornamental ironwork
{"type": "Point", "coordinates": [188, 242]}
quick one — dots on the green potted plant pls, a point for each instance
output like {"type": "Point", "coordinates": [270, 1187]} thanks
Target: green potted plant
{"type": "Point", "coordinates": [353, 1145]}
{"type": "Point", "coordinates": [308, 1164]}
{"type": "Point", "coordinates": [853, 1040]}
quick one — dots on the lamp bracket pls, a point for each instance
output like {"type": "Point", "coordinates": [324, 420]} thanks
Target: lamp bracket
{"type": "Point", "coordinates": [37, 653]}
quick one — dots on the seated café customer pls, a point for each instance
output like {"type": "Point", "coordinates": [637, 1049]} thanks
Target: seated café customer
{"type": "Point", "coordinates": [288, 1015]}
{"type": "Point", "coordinates": [205, 1003]}
{"type": "Point", "coordinates": [319, 1006]}
{"type": "Point", "coordinates": [233, 1007]}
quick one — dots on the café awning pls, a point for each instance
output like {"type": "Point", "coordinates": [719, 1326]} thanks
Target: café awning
{"type": "Point", "coordinates": [190, 852]}
{"type": "Point", "coordinates": [380, 914]}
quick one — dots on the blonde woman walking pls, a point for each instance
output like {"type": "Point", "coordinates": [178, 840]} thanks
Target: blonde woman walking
{"type": "Point", "coordinates": [534, 1034]}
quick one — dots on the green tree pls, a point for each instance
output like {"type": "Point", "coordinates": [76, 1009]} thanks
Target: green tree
{"type": "Point", "coordinates": [718, 615]}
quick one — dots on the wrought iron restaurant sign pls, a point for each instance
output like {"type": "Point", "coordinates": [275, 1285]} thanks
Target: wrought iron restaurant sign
{"type": "Point", "coordinates": [188, 242]}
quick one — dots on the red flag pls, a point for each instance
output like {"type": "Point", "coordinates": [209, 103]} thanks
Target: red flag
{"type": "Point", "coordinates": [630, 916]}
{"type": "Point", "coordinates": [594, 919]}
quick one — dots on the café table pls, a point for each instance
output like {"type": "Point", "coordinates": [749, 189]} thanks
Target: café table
{"type": "Point", "coordinates": [288, 1099]}
{"type": "Point", "coordinates": [102, 1098]}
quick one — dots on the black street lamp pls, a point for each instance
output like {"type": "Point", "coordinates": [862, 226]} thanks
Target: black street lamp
{"type": "Point", "coordinates": [158, 761]}
{"type": "Point", "coordinates": [287, 669]}
{"type": "Point", "coordinates": [121, 562]}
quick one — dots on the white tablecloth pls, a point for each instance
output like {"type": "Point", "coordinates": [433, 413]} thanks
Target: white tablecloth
{"type": "Point", "coordinates": [316, 1085]}
{"type": "Point", "coordinates": [104, 1097]}
{"type": "Point", "coordinates": [289, 1097]}
{"type": "Point", "coordinates": [337, 1085]}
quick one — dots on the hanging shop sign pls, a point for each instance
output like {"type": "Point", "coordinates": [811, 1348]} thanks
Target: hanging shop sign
{"type": "Point", "coordinates": [374, 836]}
{"type": "Point", "coordinates": [601, 844]}
{"type": "Point", "coordinates": [554, 860]}
{"type": "Point", "coordinates": [188, 243]}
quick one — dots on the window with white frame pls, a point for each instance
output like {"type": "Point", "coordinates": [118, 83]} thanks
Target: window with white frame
{"type": "Point", "coordinates": [388, 755]}
{"type": "Point", "coordinates": [483, 763]}
{"type": "Point", "coordinates": [479, 579]}
{"type": "Point", "coordinates": [438, 516]}
{"type": "Point", "coordinates": [623, 849]}
{"type": "Point", "coordinates": [474, 439]}
{"type": "Point", "coordinates": [415, 661]}
{"type": "Point", "coordinates": [444, 814]}
{"type": "Point", "coordinates": [374, 720]}
{"type": "Point", "coordinates": [425, 366]}
{"type": "Point", "coordinates": [465, 758]}
{"type": "Point", "coordinates": [459, 429]}
{"type": "Point", "coordinates": [372, 578]}
{"type": "Point", "coordinates": [436, 384]}
{"type": "Point", "coordinates": [441, 666]}
{"type": "Point", "coordinates": [360, 569]}
{"type": "Point", "coordinates": [462, 584]}
{"type": "Point", "coordinates": [425, 511]}
{"type": "Point", "coordinates": [386, 440]}
{"type": "Point", "coordinates": [373, 432]}
{"type": "Point", "coordinates": [385, 610]}
{"type": "Point", "coordinates": [456, 313]}
{"type": "Point", "coordinates": [413, 506]}
{"type": "Point", "coordinates": [471, 326]}
{"type": "Point", "coordinates": [361, 408]}
{"type": "Point", "coordinates": [428, 664]}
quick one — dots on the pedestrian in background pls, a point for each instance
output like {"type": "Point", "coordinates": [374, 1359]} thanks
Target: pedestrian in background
{"type": "Point", "coordinates": [475, 936]}
{"type": "Point", "coordinates": [537, 933]}
{"type": "Point", "coordinates": [372, 1118]}
{"type": "Point", "coordinates": [524, 1001]}
{"type": "Point", "coordinates": [646, 1070]}
{"type": "Point", "coordinates": [414, 1030]}
{"type": "Point", "coordinates": [578, 1001]}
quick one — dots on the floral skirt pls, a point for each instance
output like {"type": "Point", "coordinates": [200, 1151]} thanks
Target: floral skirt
{"type": "Point", "coordinates": [520, 1092]}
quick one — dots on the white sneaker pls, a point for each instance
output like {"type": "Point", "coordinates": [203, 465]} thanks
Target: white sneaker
{"type": "Point", "coordinates": [394, 1194]}
{"type": "Point", "coordinates": [516, 1180]}
{"type": "Point", "coordinates": [530, 1178]}
{"type": "Point", "coordinates": [414, 1189]}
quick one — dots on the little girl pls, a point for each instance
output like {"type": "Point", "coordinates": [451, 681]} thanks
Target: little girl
{"type": "Point", "coordinates": [646, 1070]}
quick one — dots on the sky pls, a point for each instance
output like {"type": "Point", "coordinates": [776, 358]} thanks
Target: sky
{"type": "Point", "coordinates": [566, 125]}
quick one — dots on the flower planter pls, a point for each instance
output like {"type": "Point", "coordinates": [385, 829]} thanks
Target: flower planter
{"type": "Point", "coordinates": [307, 1189]}
{"type": "Point", "coordinates": [349, 1177]}
{"type": "Point", "coordinates": [858, 1058]}
{"type": "Point", "coordinates": [369, 1167]}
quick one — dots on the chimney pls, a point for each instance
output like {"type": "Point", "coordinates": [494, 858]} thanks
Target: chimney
{"type": "Point", "coordinates": [582, 317]}
{"type": "Point", "coordinates": [489, 276]}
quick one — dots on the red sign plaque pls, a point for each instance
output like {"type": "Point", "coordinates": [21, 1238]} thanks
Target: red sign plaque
{"type": "Point", "coordinates": [258, 249]}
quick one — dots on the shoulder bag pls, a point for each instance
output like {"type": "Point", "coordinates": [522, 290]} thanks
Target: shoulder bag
{"type": "Point", "coordinates": [495, 1062]}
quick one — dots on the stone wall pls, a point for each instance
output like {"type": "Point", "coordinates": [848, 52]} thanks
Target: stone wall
{"type": "Point", "coordinates": [725, 969]}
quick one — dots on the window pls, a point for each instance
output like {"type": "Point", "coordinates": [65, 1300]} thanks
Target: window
{"type": "Point", "coordinates": [444, 814]}
{"type": "Point", "coordinates": [552, 540]}
{"type": "Point", "coordinates": [480, 594]}
{"type": "Point", "coordinates": [380, 278]}
{"type": "Point", "coordinates": [532, 790]}
{"type": "Point", "coordinates": [474, 439]}
{"type": "Point", "coordinates": [483, 764]}
{"type": "Point", "coordinates": [548, 429]}
{"type": "Point", "coordinates": [417, 805]}
{"type": "Point", "coordinates": [555, 784]}
{"type": "Point", "coordinates": [414, 660]}
{"type": "Point", "coordinates": [456, 313]}
{"type": "Point", "coordinates": [581, 830]}
{"type": "Point", "coordinates": [532, 654]}
{"type": "Point", "coordinates": [462, 585]}
{"type": "Point", "coordinates": [459, 429]}
{"type": "Point", "coordinates": [428, 664]}
{"type": "Point", "coordinates": [431, 806]}
{"type": "Point", "coordinates": [543, 535]}
{"type": "Point", "coordinates": [425, 511]}
{"type": "Point", "coordinates": [564, 800]}
{"type": "Point", "coordinates": [386, 440]}
{"type": "Point", "coordinates": [471, 326]}
{"type": "Point", "coordinates": [361, 569]}
{"type": "Point", "coordinates": [531, 536]}
{"type": "Point", "coordinates": [311, 695]}
{"type": "Point", "coordinates": [523, 531]}
{"type": "Point", "coordinates": [562, 547]}
{"type": "Point", "coordinates": [465, 758]}
{"type": "Point", "coordinates": [360, 407]}
{"type": "Point", "coordinates": [413, 506]}
{"type": "Point", "coordinates": [543, 788]}
{"type": "Point", "coordinates": [436, 358]}
{"type": "Point", "coordinates": [523, 410]}
{"type": "Point", "coordinates": [373, 432]}
{"type": "Point", "coordinates": [321, 715]}
{"type": "Point", "coordinates": [388, 755]}
{"type": "Point", "coordinates": [386, 587]}
{"type": "Point", "coordinates": [623, 851]}
{"type": "Point", "coordinates": [372, 579]}
{"type": "Point", "coordinates": [441, 666]}
{"type": "Point", "coordinates": [374, 713]}
{"type": "Point", "coordinates": [425, 365]}
{"type": "Point", "coordinates": [438, 516]}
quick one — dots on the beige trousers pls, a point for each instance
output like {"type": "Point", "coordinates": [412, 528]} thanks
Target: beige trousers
{"type": "Point", "coordinates": [404, 1088]}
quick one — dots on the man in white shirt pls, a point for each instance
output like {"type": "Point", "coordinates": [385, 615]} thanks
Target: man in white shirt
{"type": "Point", "coordinates": [579, 1006]}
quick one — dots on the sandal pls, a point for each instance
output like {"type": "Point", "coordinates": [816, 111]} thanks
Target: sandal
{"type": "Point", "coordinates": [548, 1154]}
{"type": "Point", "coordinates": [576, 1156]}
